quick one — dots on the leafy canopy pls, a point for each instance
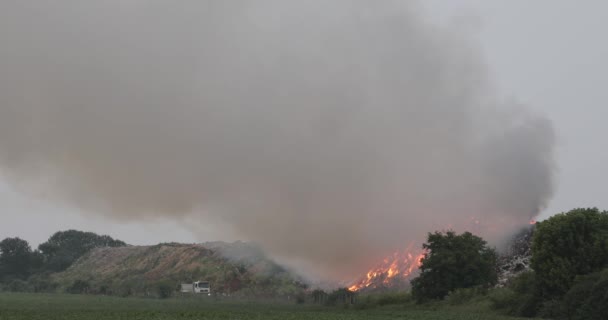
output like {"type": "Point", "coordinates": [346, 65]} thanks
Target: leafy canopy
{"type": "Point", "coordinates": [588, 298]}
{"type": "Point", "coordinates": [567, 245]}
{"type": "Point", "coordinates": [65, 247]}
{"type": "Point", "coordinates": [17, 260]}
{"type": "Point", "coordinates": [454, 261]}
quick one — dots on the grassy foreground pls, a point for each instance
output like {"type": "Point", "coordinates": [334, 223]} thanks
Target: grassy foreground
{"type": "Point", "coordinates": [59, 306]}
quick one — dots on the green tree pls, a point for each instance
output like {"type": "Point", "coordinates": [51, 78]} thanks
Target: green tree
{"type": "Point", "coordinates": [454, 261]}
{"type": "Point", "coordinates": [567, 245]}
{"type": "Point", "coordinates": [16, 258]}
{"type": "Point", "coordinates": [587, 299]}
{"type": "Point", "coordinates": [65, 247]}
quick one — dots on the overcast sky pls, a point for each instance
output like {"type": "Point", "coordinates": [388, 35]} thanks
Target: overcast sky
{"type": "Point", "coordinates": [547, 54]}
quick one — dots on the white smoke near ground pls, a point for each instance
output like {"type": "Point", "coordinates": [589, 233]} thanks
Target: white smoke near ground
{"type": "Point", "coordinates": [329, 132]}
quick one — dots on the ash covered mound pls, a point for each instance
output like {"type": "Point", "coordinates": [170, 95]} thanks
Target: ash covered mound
{"type": "Point", "coordinates": [231, 268]}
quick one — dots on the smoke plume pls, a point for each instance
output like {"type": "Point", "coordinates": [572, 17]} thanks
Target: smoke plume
{"type": "Point", "coordinates": [329, 132]}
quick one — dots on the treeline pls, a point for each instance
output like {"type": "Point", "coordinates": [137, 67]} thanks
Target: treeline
{"type": "Point", "coordinates": [25, 269]}
{"type": "Point", "coordinates": [568, 277]}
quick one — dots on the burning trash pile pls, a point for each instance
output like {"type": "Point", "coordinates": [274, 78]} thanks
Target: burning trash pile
{"type": "Point", "coordinates": [394, 272]}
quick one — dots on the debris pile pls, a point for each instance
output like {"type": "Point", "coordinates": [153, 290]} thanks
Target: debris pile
{"type": "Point", "coordinates": [516, 258]}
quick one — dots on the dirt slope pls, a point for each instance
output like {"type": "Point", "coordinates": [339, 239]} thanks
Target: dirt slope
{"type": "Point", "coordinates": [232, 268]}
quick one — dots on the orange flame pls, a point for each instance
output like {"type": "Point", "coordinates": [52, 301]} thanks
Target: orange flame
{"type": "Point", "coordinates": [399, 264]}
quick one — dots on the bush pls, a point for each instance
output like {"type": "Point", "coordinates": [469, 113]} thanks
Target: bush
{"type": "Point", "coordinates": [319, 296]}
{"type": "Point", "coordinates": [502, 299]}
{"type": "Point", "coordinates": [529, 301]}
{"type": "Point", "coordinates": [596, 306]}
{"type": "Point", "coordinates": [520, 298]}
{"type": "Point", "coordinates": [382, 299]}
{"type": "Point", "coordinates": [18, 285]}
{"type": "Point", "coordinates": [164, 290]}
{"type": "Point", "coordinates": [552, 309]}
{"type": "Point", "coordinates": [393, 298]}
{"type": "Point", "coordinates": [524, 283]}
{"type": "Point", "coordinates": [587, 299]}
{"type": "Point", "coordinates": [461, 296]}
{"type": "Point", "coordinates": [340, 296]}
{"type": "Point", "coordinates": [103, 289]}
{"type": "Point", "coordinates": [512, 303]}
{"type": "Point", "coordinates": [42, 283]}
{"type": "Point", "coordinates": [527, 305]}
{"type": "Point", "coordinates": [300, 298]}
{"type": "Point", "coordinates": [79, 287]}
{"type": "Point", "coordinates": [124, 291]}
{"type": "Point", "coordinates": [366, 302]}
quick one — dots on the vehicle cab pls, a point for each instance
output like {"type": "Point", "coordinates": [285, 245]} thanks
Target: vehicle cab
{"type": "Point", "coordinates": [202, 287]}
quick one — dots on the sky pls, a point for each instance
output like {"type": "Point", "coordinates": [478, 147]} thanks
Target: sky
{"type": "Point", "coordinates": [546, 54]}
{"type": "Point", "coordinates": [550, 55]}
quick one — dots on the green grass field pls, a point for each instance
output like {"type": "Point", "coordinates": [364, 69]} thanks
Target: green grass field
{"type": "Point", "coordinates": [59, 306]}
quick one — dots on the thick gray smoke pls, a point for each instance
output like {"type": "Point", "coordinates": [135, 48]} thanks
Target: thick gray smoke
{"type": "Point", "coordinates": [330, 132]}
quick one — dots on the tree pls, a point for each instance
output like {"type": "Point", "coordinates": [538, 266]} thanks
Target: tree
{"type": "Point", "coordinates": [588, 297]}
{"type": "Point", "coordinates": [567, 245]}
{"type": "Point", "coordinates": [15, 258]}
{"type": "Point", "coordinates": [65, 247]}
{"type": "Point", "coordinates": [454, 261]}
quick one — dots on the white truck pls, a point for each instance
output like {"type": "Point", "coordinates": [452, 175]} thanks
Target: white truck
{"type": "Point", "coordinates": [196, 287]}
